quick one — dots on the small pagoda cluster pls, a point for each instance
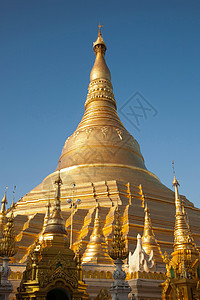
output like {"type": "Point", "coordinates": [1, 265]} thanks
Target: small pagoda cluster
{"type": "Point", "coordinates": [53, 270]}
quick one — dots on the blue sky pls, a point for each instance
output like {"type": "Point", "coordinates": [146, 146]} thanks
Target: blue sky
{"type": "Point", "coordinates": [45, 59]}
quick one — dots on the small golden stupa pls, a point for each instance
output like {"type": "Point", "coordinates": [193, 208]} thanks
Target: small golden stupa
{"type": "Point", "coordinates": [8, 243]}
{"type": "Point", "coordinates": [7, 251]}
{"type": "Point", "coordinates": [3, 212]}
{"type": "Point", "coordinates": [97, 249]}
{"type": "Point", "coordinates": [105, 163]}
{"type": "Point", "coordinates": [183, 270]}
{"type": "Point", "coordinates": [149, 241]}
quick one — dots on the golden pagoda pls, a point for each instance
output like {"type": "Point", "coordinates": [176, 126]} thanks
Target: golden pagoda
{"type": "Point", "coordinates": [3, 211]}
{"type": "Point", "coordinates": [52, 271]}
{"type": "Point", "coordinates": [105, 163]}
{"type": "Point", "coordinates": [96, 251]}
{"type": "Point", "coordinates": [7, 250]}
{"type": "Point", "coordinates": [183, 270]}
{"type": "Point", "coordinates": [8, 244]}
{"type": "Point", "coordinates": [149, 242]}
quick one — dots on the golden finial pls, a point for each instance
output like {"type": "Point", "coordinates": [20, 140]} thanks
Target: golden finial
{"type": "Point", "coordinates": [13, 203]}
{"type": "Point", "coordinates": [96, 251]}
{"type": "Point", "coordinates": [173, 167]}
{"type": "Point", "coordinates": [99, 46]}
{"type": "Point", "coordinates": [175, 181]}
{"type": "Point", "coordinates": [47, 215]}
{"type": "Point", "coordinates": [8, 247]}
{"type": "Point", "coordinates": [182, 234]}
{"type": "Point", "coordinates": [4, 202]}
{"type": "Point", "coordinates": [46, 219]}
{"type": "Point", "coordinates": [147, 222]}
{"type": "Point", "coordinates": [100, 26]}
{"type": "Point", "coordinates": [148, 235]}
{"type": "Point", "coordinates": [119, 250]}
{"type": "Point", "coordinates": [58, 183]}
{"type": "Point", "coordinates": [149, 241]}
{"type": "Point", "coordinates": [56, 224]}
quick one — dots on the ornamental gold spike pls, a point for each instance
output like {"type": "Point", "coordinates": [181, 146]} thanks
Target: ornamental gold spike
{"type": "Point", "coordinates": [100, 26]}
{"type": "Point", "coordinates": [119, 250]}
{"type": "Point", "coordinates": [149, 241]}
{"type": "Point", "coordinates": [8, 245]}
{"type": "Point", "coordinates": [182, 235]}
{"type": "Point", "coordinates": [47, 215]}
{"type": "Point", "coordinates": [3, 203]}
{"type": "Point", "coordinates": [13, 203]}
{"type": "Point", "coordinates": [148, 238]}
{"type": "Point", "coordinates": [100, 69]}
{"type": "Point", "coordinates": [96, 251]}
{"type": "Point", "coordinates": [56, 224]}
{"type": "Point", "coordinates": [46, 219]}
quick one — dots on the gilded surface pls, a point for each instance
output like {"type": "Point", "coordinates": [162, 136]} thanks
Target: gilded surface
{"type": "Point", "coordinates": [52, 264]}
{"type": "Point", "coordinates": [106, 164]}
{"type": "Point", "coordinates": [149, 242]}
{"type": "Point", "coordinates": [96, 251]}
{"type": "Point", "coordinates": [183, 270]}
{"type": "Point", "coordinates": [7, 243]}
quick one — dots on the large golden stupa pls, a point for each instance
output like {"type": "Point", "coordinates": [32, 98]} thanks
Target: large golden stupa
{"type": "Point", "coordinates": [102, 162]}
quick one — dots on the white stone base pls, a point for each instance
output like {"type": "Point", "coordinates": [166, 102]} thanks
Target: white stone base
{"type": "Point", "coordinates": [145, 289]}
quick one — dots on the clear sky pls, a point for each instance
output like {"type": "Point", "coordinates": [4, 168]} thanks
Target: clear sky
{"type": "Point", "coordinates": [45, 60]}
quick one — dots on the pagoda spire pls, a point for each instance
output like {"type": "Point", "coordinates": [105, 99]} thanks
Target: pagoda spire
{"type": "Point", "coordinates": [149, 242]}
{"type": "Point", "coordinates": [8, 248]}
{"type": "Point", "coordinates": [182, 235]}
{"type": "Point", "coordinates": [56, 224]}
{"type": "Point", "coordinates": [182, 280]}
{"type": "Point", "coordinates": [100, 78]}
{"type": "Point", "coordinates": [148, 238]}
{"type": "Point", "coordinates": [100, 69]}
{"type": "Point", "coordinates": [46, 219]}
{"type": "Point", "coordinates": [101, 127]}
{"type": "Point", "coordinates": [3, 203]}
{"type": "Point", "coordinates": [47, 215]}
{"type": "Point", "coordinates": [96, 251]}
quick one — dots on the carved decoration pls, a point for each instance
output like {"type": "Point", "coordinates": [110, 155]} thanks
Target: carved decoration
{"type": "Point", "coordinates": [104, 131]}
{"type": "Point", "coordinates": [88, 132]}
{"type": "Point", "coordinates": [119, 132]}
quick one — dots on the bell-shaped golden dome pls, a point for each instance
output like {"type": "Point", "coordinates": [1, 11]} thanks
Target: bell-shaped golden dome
{"type": "Point", "coordinates": [101, 139]}
{"type": "Point", "coordinates": [96, 251]}
{"type": "Point", "coordinates": [56, 225]}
